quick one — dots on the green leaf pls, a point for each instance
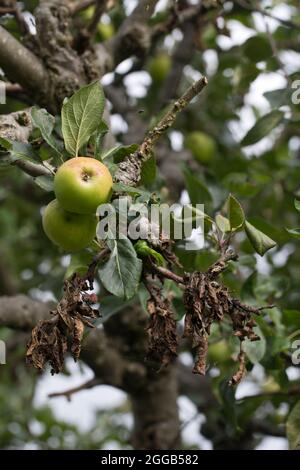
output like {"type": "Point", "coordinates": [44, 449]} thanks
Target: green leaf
{"type": "Point", "coordinates": [6, 158]}
{"type": "Point", "coordinates": [198, 192]}
{"type": "Point", "coordinates": [291, 318]}
{"type": "Point", "coordinates": [293, 427]}
{"type": "Point", "coordinates": [244, 75]}
{"type": "Point", "coordinates": [259, 240]}
{"type": "Point", "coordinates": [110, 305]}
{"type": "Point", "coordinates": [143, 296]}
{"type": "Point", "coordinates": [121, 274]}
{"type": "Point", "coordinates": [81, 116]}
{"type": "Point", "coordinates": [223, 223]}
{"type": "Point", "coordinates": [236, 214]}
{"type": "Point", "coordinates": [297, 205]}
{"type": "Point", "coordinates": [79, 263]}
{"type": "Point", "coordinates": [255, 350]}
{"type": "Point", "coordinates": [131, 190]}
{"type": "Point", "coordinates": [277, 233]}
{"type": "Point", "coordinates": [227, 396]}
{"type": "Point", "coordinates": [5, 143]}
{"type": "Point", "coordinates": [295, 232]}
{"type": "Point", "coordinates": [263, 127]}
{"type": "Point", "coordinates": [257, 49]}
{"type": "Point", "coordinates": [143, 249]}
{"type": "Point", "coordinates": [45, 122]}
{"type": "Point", "coordinates": [148, 171]}
{"type": "Point", "coordinates": [238, 183]}
{"type": "Point", "coordinates": [119, 153]}
{"type": "Point", "coordinates": [20, 150]}
{"type": "Point", "coordinates": [45, 182]}
{"type": "Point", "coordinates": [279, 97]}
{"type": "Point", "coordinates": [99, 138]}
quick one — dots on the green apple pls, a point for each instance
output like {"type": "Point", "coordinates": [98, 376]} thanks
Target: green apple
{"type": "Point", "coordinates": [72, 232]}
{"type": "Point", "coordinates": [106, 31]}
{"type": "Point", "coordinates": [202, 147]}
{"type": "Point", "coordinates": [159, 67]}
{"type": "Point", "coordinates": [81, 184]}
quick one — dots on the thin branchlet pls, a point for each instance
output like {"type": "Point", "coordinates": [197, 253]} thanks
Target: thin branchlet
{"type": "Point", "coordinates": [129, 171]}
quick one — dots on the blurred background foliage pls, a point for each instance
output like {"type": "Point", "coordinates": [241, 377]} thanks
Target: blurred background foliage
{"type": "Point", "coordinates": [251, 61]}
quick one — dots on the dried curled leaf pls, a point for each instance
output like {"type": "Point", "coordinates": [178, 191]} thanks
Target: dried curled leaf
{"type": "Point", "coordinates": [77, 338]}
{"type": "Point", "coordinates": [47, 345]}
{"type": "Point", "coordinates": [200, 362]}
{"type": "Point", "coordinates": [163, 340]}
{"type": "Point", "coordinates": [51, 339]}
{"type": "Point", "coordinates": [206, 301]}
{"type": "Point", "coordinates": [241, 372]}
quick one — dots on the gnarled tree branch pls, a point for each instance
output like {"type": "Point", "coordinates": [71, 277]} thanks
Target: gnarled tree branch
{"type": "Point", "coordinates": [129, 171]}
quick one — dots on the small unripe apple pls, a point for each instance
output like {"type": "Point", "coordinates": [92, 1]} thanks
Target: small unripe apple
{"type": "Point", "coordinates": [88, 13]}
{"type": "Point", "coordinates": [82, 184]}
{"type": "Point", "coordinates": [71, 232]}
{"type": "Point", "coordinates": [159, 67]}
{"type": "Point", "coordinates": [202, 147]}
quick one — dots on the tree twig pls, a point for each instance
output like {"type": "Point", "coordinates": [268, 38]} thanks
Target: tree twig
{"type": "Point", "coordinates": [166, 273]}
{"type": "Point", "coordinates": [7, 10]}
{"type": "Point", "coordinates": [293, 391]}
{"type": "Point", "coordinates": [273, 46]}
{"type": "Point", "coordinates": [92, 267]}
{"type": "Point", "coordinates": [169, 118]}
{"type": "Point", "coordinates": [23, 26]}
{"type": "Point", "coordinates": [257, 8]}
{"type": "Point", "coordinates": [32, 169]}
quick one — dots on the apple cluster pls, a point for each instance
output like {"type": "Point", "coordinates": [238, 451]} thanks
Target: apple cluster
{"type": "Point", "coordinates": [81, 184]}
